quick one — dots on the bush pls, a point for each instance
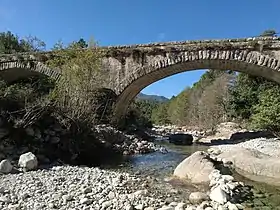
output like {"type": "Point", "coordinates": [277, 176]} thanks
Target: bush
{"type": "Point", "coordinates": [24, 93]}
{"type": "Point", "coordinates": [79, 92]}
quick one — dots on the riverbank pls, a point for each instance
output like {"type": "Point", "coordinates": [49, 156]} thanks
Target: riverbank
{"type": "Point", "coordinates": [138, 181]}
{"type": "Point", "coordinates": [256, 159]}
{"type": "Point", "coordinates": [268, 146]}
{"type": "Point", "coordinates": [261, 145]}
{"type": "Point", "coordinates": [70, 187]}
{"type": "Point", "coordinates": [141, 181]}
{"type": "Point", "coordinates": [53, 143]}
{"type": "Point", "coordinates": [255, 154]}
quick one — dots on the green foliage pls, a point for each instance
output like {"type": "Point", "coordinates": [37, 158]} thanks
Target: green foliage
{"type": "Point", "coordinates": [256, 101]}
{"type": "Point", "coordinates": [20, 96]}
{"type": "Point", "coordinates": [139, 114]}
{"type": "Point", "coordinates": [146, 107]}
{"type": "Point", "coordinates": [76, 92]}
{"type": "Point", "coordinates": [178, 108]}
{"type": "Point", "coordinates": [10, 43]}
{"type": "Point", "coordinates": [266, 114]}
{"type": "Point", "coordinates": [160, 116]}
{"type": "Point", "coordinates": [203, 105]}
{"type": "Point", "coordinates": [244, 94]}
{"type": "Point", "coordinates": [102, 104]}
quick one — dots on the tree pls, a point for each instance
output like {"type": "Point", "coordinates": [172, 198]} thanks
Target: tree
{"type": "Point", "coordinates": [32, 44]}
{"type": "Point", "coordinates": [10, 43]}
{"type": "Point", "coordinates": [213, 105]}
{"type": "Point", "coordinates": [178, 108]}
{"type": "Point", "coordinates": [244, 94]}
{"type": "Point", "coordinates": [266, 113]}
{"type": "Point", "coordinates": [269, 32]}
{"type": "Point", "coordinates": [159, 115]}
{"type": "Point", "coordinates": [145, 107]}
{"type": "Point", "coordinates": [203, 105]}
{"type": "Point", "coordinates": [82, 43]}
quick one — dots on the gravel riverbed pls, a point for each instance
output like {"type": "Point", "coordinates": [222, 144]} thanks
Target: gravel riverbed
{"type": "Point", "coordinates": [72, 187]}
{"type": "Point", "coordinates": [87, 188]}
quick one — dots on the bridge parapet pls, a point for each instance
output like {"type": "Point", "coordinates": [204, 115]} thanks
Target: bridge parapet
{"type": "Point", "coordinates": [112, 51]}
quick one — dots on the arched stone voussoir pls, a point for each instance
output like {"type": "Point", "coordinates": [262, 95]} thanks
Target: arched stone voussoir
{"type": "Point", "coordinates": [250, 62]}
{"type": "Point", "coordinates": [14, 70]}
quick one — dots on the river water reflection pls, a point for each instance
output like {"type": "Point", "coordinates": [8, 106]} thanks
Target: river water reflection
{"type": "Point", "coordinates": [159, 164]}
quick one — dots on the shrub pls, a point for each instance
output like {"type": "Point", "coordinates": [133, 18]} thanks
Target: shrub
{"type": "Point", "coordinates": [79, 92]}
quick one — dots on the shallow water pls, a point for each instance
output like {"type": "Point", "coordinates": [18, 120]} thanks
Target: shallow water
{"type": "Point", "coordinates": [161, 166]}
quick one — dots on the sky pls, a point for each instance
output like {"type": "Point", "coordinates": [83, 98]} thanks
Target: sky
{"type": "Point", "coordinates": [117, 22]}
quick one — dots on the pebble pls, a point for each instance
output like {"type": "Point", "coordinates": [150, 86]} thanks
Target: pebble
{"type": "Point", "coordinates": [80, 188]}
{"type": "Point", "coordinates": [139, 207]}
{"type": "Point", "coordinates": [86, 188]}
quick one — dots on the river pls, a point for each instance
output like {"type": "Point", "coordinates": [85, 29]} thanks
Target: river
{"type": "Point", "coordinates": [161, 166]}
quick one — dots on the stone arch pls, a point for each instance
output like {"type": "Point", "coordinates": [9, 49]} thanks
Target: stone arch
{"type": "Point", "coordinates": [14, 70]}
{"type": "Point", "coordinates": [160, 67]}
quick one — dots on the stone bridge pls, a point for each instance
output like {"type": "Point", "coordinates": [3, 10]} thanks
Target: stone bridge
{"type": "Point", "coordinates": [132, 68]}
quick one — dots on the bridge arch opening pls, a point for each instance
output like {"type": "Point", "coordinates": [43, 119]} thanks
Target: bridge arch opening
{"type": "Point", "coordinates": [16, 70]}
{"type": "Point", "coordinates": [137, 84]}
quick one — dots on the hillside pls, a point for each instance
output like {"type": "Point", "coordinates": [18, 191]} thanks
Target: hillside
{"type": "Point", "coordinates": [143, 96]}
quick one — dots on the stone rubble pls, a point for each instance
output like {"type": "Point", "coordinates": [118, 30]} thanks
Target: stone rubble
{"type": "Point", "coordinates": [127, 144]}
{"type": "Point", "coordinates": [225, 193]}
{"type": "Point", "coordinates": [49, 145]}
{"type": "Point", "coordinates": [72, 187]}
{"type": "Point", "coordinates": [161, 131]}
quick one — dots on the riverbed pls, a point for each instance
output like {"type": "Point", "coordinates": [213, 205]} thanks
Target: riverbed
{"type": "Point", "coordinates": [161, 167]}
{"type": "Point", "coordinates": [132, 182]}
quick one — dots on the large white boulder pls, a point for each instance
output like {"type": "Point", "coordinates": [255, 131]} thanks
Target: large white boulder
{"type": "Point", "coordinates": [196, 168]}
{"type": "Point", "coordinates": [5, 166]}
{"type": "Point", "coordinates": [28, 161]}
{"type": "Point", "coordinates": [254, 164]}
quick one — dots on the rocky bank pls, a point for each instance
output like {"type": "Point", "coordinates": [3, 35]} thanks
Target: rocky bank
{"type": "Point", "coordinates": [31, 180]}
{"type": "Point", "coordinates": [81, 187]}
{"type": "Point", "coordinates": [256, 159]}
{"type": "Point", "coordinates": [54, 143]}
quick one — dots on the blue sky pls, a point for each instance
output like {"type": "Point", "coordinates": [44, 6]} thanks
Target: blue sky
{"type": "Point", "coordinates": [114, 22]}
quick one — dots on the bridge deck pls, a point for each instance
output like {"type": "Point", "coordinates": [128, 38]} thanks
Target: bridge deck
{"type": "Point", "coordinates": [240, 43]}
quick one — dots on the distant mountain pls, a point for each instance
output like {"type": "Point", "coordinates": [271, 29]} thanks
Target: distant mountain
{"type": "Point", "coordinates": [143, 96]}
